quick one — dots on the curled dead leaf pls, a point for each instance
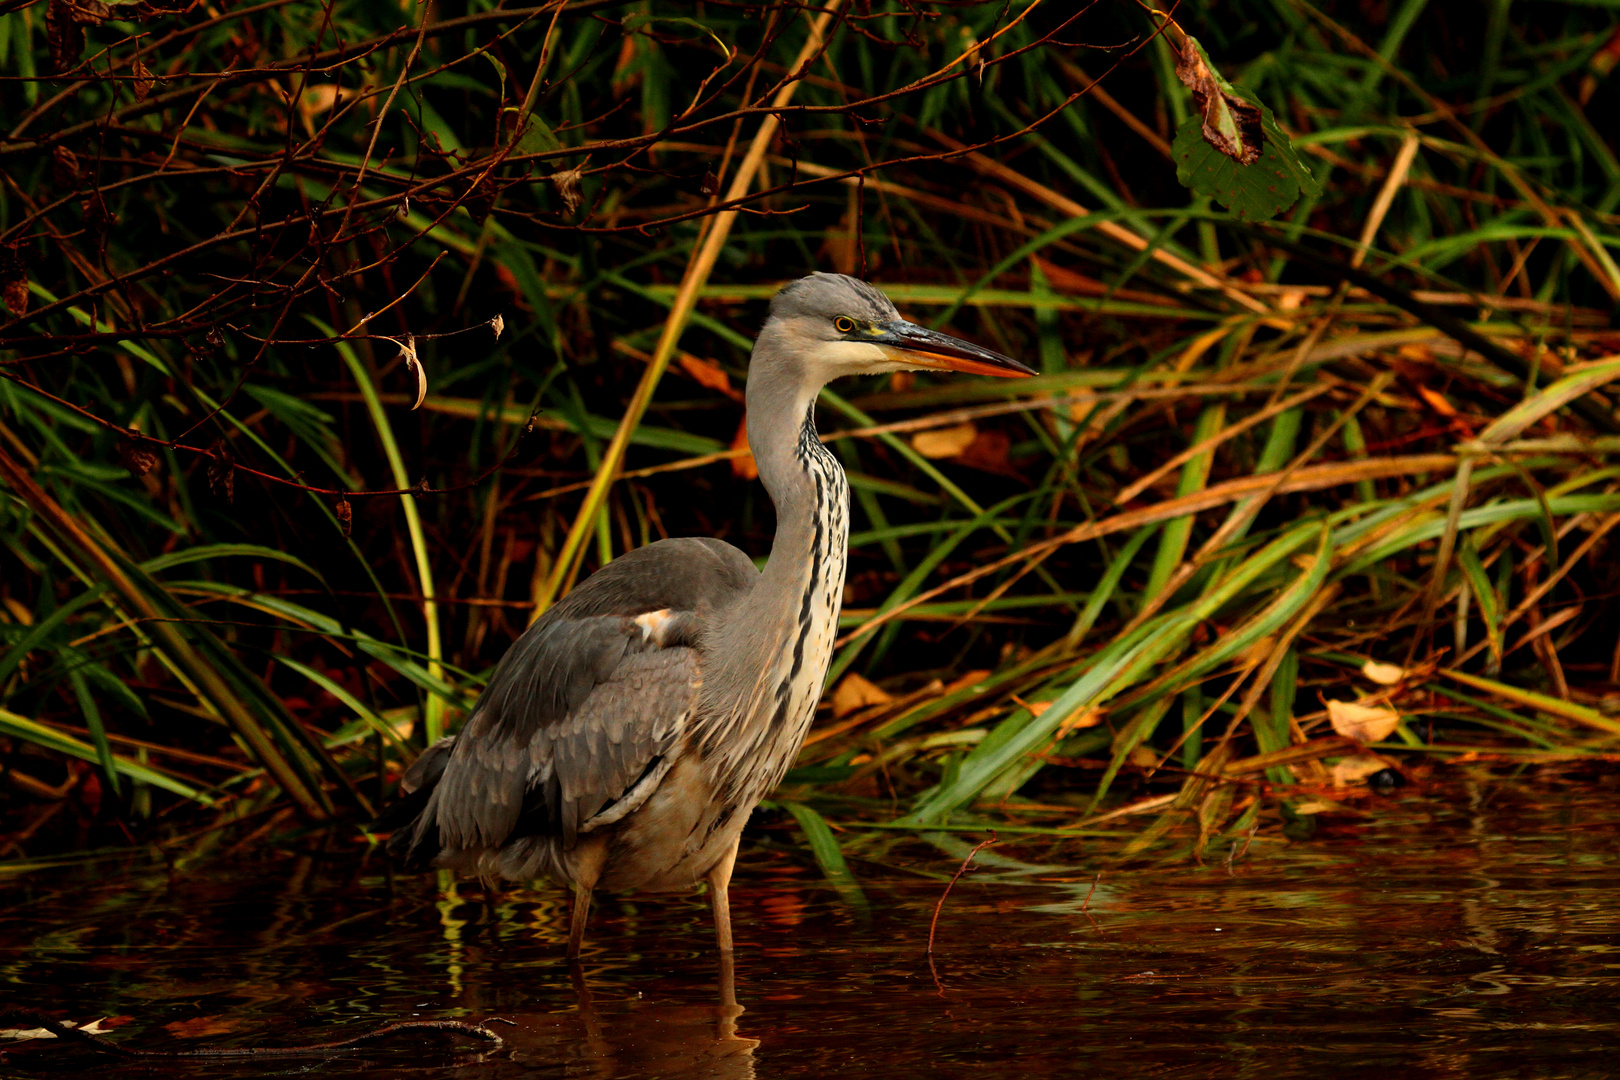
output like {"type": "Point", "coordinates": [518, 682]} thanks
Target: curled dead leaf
{"type": "Point", "coordinates": [137, 458]}
{"type": "Point", "coordinates": [855, 693]}
{"type": "Point", "coordinates": [65, 21]}
{"type": "Point", "coordinates": [13, 280]}
{"type": "Point", "coordinates": [99, 1026]}
{"type": "Point", "coordinates": [498, 325]}
{"type": "Point", "coordinates": [1363, 723]}
{"type": "Point", "coordinates": [706, 373]}
{"type": "Point", "coordinates": [64, 167]}
{"type": "Point", "coordinates": [97, 215]}
{"type": "Point", "coordinates": [1383, 674]}
{"type": "Point", "coordinates": [143, 81]}
{"type": "Point", "coordinates": [945, 442]}
{"type": "Point", "coordinates": [1260, 651]}
{"type": "Point", "coordinates": [221, 470]}
{"type": "Point", "coordinates": [1230, 124]}
{"type": "Point", "coordinates": [345, 516]}
{"type": "Point", "coordinates": [967, 679]}
{"type": "Point", "coordinates": [1143, 757]}
{"type": "Point", "coordinates": [1078, 720]}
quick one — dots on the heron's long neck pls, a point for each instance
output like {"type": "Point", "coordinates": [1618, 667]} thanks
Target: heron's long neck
{"type": "Point", "coordinates": [779, 637]}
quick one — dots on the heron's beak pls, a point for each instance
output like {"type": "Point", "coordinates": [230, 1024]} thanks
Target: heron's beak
{"type": "Point", "coordinates": [916, 346]}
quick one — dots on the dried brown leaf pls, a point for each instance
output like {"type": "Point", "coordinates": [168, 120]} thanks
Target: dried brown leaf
{"type": "Point", "coordinates": [221, 471]}
{"type": "Point", "coordinates": [856, 692]}
{"type": "Point", "coordinates": [966, 679]}
{"type": "Point", "coordinates": [64, 167]}
{"type": "Point", "coordinates": [13, 280]}
{"type": "Point", "coordinates": [97, 215]}
{"type": "Point", "coordinates": [63, 36]}
{"type": "Point", "coordinates": [65, 21]}
{"type": "Point", "coordinates": [1231, 125]}
{"type": "Point", "coordinates": [143, 81]}
{"type": "Point", "coordinates": [345, 516]}
{"type": "Point", "coordinates": [1363, 723]}
{"type": "Point", "coordinates": [945, 442]}
{"type": "Point", "coordinates": [1078, 720]}
{"type": "Point", "coordinates": [1350, 771]}
{"type": "Point", "coordinates": [137, 458]}
{"type": "Point", "coordinates": [1383, 674]}
{"type": "Point", "coordinates": [706, 373]}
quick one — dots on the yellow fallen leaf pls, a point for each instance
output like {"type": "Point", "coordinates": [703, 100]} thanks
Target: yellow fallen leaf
{"type": "Point", "coordinates": [1383, 674]}
{"type": "Point", "coordinates": [706, 373]}
{"type": "Point", "coordinates": [1077, 720]}
{"type": "Point", "coordinates": [945, 442]}
{"type": "Point", "coordinates": [1350, 771]}
{"type": "Point", "coordinates": [1259, 651]}
{"type": "Point", "coordinates": [1437, 401]}
{"type": "Point", "coordinates": [967, 679]}
{"type": "Point", "coordinates": [1142, 757]}
{"type": "Point", "coordinates": [856, 693]}
{"type": "Point", "coordinates": [1363, 723]}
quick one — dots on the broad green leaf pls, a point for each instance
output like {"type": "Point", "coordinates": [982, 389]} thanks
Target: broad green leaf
{"type": "Point", "coordinates": [1233, 150]}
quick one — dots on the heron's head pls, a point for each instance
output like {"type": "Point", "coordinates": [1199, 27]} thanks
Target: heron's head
{"type": "Point", "coordinates": [837, 325]}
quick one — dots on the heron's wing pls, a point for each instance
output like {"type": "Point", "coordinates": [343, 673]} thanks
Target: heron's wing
{"type": "Point", "coordinates": [580, 717]}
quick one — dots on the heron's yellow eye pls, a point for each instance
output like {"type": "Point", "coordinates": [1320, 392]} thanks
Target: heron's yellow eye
{"type": "Point", "coordinates": [843, 325]}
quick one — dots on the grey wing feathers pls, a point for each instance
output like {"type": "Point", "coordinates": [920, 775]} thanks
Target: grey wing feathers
{"type": "Point", "coordinates": [579, 717]}
{"type": "Point", "coordinates": [609, 755]}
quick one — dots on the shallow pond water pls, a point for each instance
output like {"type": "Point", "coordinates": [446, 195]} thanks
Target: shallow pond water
{"type": "Point", "coordinates": [1468, 930]}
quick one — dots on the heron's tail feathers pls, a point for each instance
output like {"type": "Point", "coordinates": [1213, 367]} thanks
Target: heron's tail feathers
{"type": "Point", "coordinates": [415, 840]}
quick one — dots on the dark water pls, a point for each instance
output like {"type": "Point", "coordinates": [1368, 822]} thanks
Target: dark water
{"type": "Point", "coordinates": [1470, 930]}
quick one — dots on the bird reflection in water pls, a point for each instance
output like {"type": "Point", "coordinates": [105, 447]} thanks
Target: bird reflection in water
{"type": "Point", "coordinates": [628, 1038]}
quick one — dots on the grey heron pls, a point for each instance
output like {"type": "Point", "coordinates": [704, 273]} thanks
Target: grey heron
{"type": "Point", "coordinates": [626, 736]}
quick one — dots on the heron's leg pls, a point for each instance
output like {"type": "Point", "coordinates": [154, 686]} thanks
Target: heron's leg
{"type": "Point", "coordinates": [719, 882]}
{"type": "Point", "coordinates": [581, 915]}
{"type": "Point", "coordinates": [589, 858]}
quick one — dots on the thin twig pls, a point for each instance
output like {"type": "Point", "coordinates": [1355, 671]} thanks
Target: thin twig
{"type": "Point", "coordinates": [933, 923]}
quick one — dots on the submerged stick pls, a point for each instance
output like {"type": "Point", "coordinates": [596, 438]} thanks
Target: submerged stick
{"type": "Point", "coordinates": [107, 1046]}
